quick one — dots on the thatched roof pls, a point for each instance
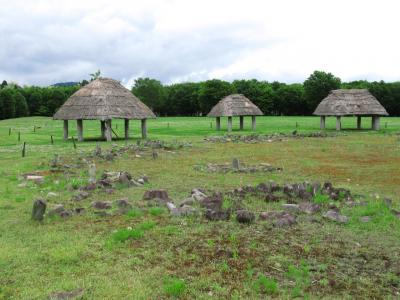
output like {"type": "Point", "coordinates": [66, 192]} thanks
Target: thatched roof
{"type": "Point", "coordinates": [103, 99]}
{"type": "Point", "coordinates": [234, 105]}
{"type": "Point", "coordinates": [353, 102]}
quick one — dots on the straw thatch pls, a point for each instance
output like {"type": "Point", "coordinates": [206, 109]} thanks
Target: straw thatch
{"type": "Point", "coordinates": [354, 102]}
{"type": "Point", "coordinates": [103, 99]}
{"type": "Point", "coordinates": [234, 105]}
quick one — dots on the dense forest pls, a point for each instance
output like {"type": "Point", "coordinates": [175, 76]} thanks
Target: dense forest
{"type": "Point", "coordinates": [197, 98]}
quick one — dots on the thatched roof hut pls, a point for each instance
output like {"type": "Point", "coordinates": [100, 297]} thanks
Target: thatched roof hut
{"type": "Point", "coordinates": [103, 99]}
{"type": "Point", "coordinates": [352, 102]}
{"type": "Point", "coordinates": [235, 105]}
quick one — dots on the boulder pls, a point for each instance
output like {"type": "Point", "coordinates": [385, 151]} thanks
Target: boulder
{"type": "Point", "coordinates": [123, 203]}
{"type": "Point", "coordinates": [217, 215]}
{"type": "Point", "coordinates": [101, 204]}
{"type": "Point", "coordinates": [80, 196]}
{"type": "Point", "coordinates": [245, 216]}
{"type": "Point", "coordinates": [213, 202]}
{"type": "Point", "coordinates": [56, 210]}
{"type": "Point", "coordinates": [294, 208]}
{"type": "Point", "coordinates": [309, 208]}
{"type": "Point", "coordinates": [153, 194]}
{"type": "Point", "coordinates": [333, 215]}
{"type": "Point", "coordinates": [38, 210]}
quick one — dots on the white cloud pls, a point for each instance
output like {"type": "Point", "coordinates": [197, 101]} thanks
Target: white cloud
{"type": "Point", "coordinates": [43, 42]}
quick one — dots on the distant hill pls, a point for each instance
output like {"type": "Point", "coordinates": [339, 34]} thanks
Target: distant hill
{"type": "Point", "coordinates": [70, 83]}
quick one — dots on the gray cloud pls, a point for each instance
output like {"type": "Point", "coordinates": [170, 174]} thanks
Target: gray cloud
{"type": "Point", "coordinates": [43, 42]}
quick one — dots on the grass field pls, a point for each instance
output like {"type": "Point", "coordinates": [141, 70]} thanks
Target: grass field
{"type": "Point", "coordinates": [147, 254]}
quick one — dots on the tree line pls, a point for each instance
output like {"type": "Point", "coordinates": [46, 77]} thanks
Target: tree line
{"type": "Point", "coordinates": [197, 98]}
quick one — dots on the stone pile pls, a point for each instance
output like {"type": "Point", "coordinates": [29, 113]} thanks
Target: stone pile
{"type": "Point", "coordinates": [237, 167]}
{"type": "Point", "coordinates": [260, 138]}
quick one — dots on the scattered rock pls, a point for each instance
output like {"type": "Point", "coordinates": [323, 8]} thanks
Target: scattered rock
{"type": "Point", "coordinates": [80, 196]}
{"type": "Point", "coordinates": [213, 202]}
{"type": "Point", "coordinates": [245, 216]}
{"type": "Point", "coordinates": [198, 195]}
{"type": "Point", "coordinates": [294, 208]}
{"type": "Point", "coordinates": [396, 213]}
{"type": "Point", "coordinates": [38, 179]}
{"type": "Point", "coordinates": [388, 202]}
{"type": "Point", "coordinates": [187, 201]}
{"type": "Point", "coordinates": [309, 208]}
{"type": "Point", "coordinates": [235, 164]}
{"type": "Point", "coordinates": [101, 204]}
{"type": "Point", "coordinates": [185, 210]}
{"type": "Point", "coordinates": [217, 215]}
{"type": "Point", "coordinates": [278, 218]}
{"type": "Point", "coordinates": [156, 194]}
{"type": "Point", "coordinates": [335, 216]}
{"type": "Point", "coordinates": [52, 194]}
{"type": "Point", "coordinates": [39, 208]}
{"type": "Point", "coordinates": [66, 295]}
{"type": "Point", "coordinates": [123, 203]}
{"type": "Point", "coordinates": [56, 210]}
{"type": "Point", "coordinates": [80, 210]}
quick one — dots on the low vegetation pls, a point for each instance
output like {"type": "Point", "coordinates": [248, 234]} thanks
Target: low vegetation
{"type": "Point", "coordinates": [139, 250]}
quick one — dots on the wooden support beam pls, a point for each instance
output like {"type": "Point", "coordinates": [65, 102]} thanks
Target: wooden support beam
{"type": "Point", "coordinates": [218, 123]}
{"type": "Point", "coordinates": [322, 123]}
{"type": "Point", "coordinates": [103, 129]}
{"type": "Point", "coordinates": [358, 122]}
{"type": "Point", "coordinates": [108, 130]}
{"type": "Point", "coordinates": [65, 129]}
{"type": "Point", "coordinates": [375, 123]}
{"type": "Point", "coordinates": [126, 129]}
{"type": "Point", "coordinates": [253, 123]}
{"type": "Point", "coordinates": [241, 122]}
{"type": "Point", "coordinates": [229, 124]}
{"type": "Point", "coordinates": [144, 129]}
{"type": "Point", "coordinates": [79, 127]}
{"type": "Point", "coordinates": [338, 123]}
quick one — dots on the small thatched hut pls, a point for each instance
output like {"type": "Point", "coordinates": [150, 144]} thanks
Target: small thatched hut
{"type": "Point", "coordinates": [354, 102]}
{"type": "Point", "coordinates": [103, 99]}
{"type": "Point", "coordinates": [235, 105]}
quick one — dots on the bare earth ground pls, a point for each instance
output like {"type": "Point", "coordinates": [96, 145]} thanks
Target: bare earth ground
{"type": "Point", "coordinates": [191, 257]}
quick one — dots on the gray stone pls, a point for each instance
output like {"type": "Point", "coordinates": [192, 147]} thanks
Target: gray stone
{"type": "Point", "coordinates": [245, 216]}
{"type": "Point", "coordinates": [198, 195]}
{"type": "Point", "coordinates": [217, 215]}
{"type": "Point", "coordinates": [187, 201]}
{"type": "Point", "coordinates": [285, 220]}
{"type": "Point", "coordinates": [153, 194]}
{"type": "Point", "coordinates": [56, 210]}
{"type": "Point", "coordinates": [396, 213]}
{"type": "Point", "coordinates": [78, 293]}
{"type": "Point", "coordinates": [80, 196]}
{"type": "Point", "coordinates": [309, 208]}
{"type": "Point", "coordinates": [185, 210]}
{"type": "Point", "coordinates": [213, 202]}
{"type": "Point", "coordinates": [52, 194]}
{"type": "Point", "coordinates": [123, 203]}
{"type": "Point", "coordinates": [235, 164]}
{"type": "Point", "coordinates": [80, 210]}
{"type": "Point", "coordinates": [333, 215]}
{"type": "Point", "coordinates": [38, 179]}
{"type": "Point", "coordinates": [38, 210]}
{"type": "Point", "coordinates": [101, 204]}
{"type": "Point", "coordinates": [291, 207]}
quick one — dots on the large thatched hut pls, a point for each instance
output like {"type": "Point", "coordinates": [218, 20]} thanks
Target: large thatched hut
{"type": "Point", "coordinates": [235, 105]}
{"type": "Point", "coordinates": [103, 99]}
{"type": "Point", "coordinates": [354, 102]}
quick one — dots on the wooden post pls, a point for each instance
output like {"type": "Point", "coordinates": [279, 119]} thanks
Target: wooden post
{"type": "Point", "coordinates": [73, 142]}
{"type": "Point", "coordinates": [23, 150]}
{"type": "Point", "coordinates": [51, 139]}
{"type": "Point", "coordinates": [144, 129]}
{"type": "Point", "coordinates": [322, 122]}
{"type": "Point", "coordinates": [218, 123]}
{"type": "Point", "coordinates": [358, 122]}
{"type": "Point", "coordinates": [9, 131]}
{"type": "Point", "coordinates": [108, 130]}
{"type": "Point", "coordinates": [34, 128]}
{"type": "Point", "coordinates": [126, 129]}
{"type": "Point", "coordinates": [19, 136]}
{"type": "Point", "coordinates": [241, 122]}
{"type": "Point", "coordinates": [79, 127]}
{"type": "Point", "coordinates": [338, 123]}
{"type": "Point", "coordinates": [103, 129]}
{"type": "Point", "coordinates": [375, 123]}
{"type": "Point", "coordinates": [253, 122]}
{"type": "Point", "coordinates": [65, 129]}
{"type": "Point", "coordinates": [229, 124]}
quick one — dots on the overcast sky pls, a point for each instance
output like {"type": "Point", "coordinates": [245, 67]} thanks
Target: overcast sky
{"type": "Point", "coordinates": [44, 42]}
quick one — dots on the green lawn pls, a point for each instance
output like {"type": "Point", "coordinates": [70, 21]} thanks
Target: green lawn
{"type": "Point", "coordinates": [162, 257]}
